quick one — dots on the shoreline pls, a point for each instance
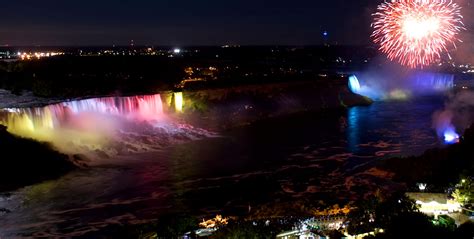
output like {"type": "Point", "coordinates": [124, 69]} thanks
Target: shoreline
{"type": "Point", "coordinates": [28, 162]}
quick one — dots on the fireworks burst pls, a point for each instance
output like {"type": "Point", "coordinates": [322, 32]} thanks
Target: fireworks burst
{"type": "Point", "coordinates": [417, 32]}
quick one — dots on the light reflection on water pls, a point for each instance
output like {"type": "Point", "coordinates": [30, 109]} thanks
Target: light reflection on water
{"type": "Point", "coordinates": [311, 157]}
{"type": "Point", "coordinates": [407, 125]}
{"type": "Point", "coordinates": [353, 128]}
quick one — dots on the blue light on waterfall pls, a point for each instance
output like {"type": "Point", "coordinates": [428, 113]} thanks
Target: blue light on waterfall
{"type": "Point", "coordinates": [354, 84]}
{"type": "Point", "coordinates": [428, 81]}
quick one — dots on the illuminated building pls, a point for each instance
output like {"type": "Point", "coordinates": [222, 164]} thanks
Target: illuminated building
{"type": "Point", "coordinates": [435, 203]}
{"type": "Point", "coordinates": [296, 234]}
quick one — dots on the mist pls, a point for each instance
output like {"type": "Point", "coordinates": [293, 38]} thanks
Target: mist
{"type": "Point", "coordinates": [457, 115]}
{"type": "Point", "coordinates": [385, 80]}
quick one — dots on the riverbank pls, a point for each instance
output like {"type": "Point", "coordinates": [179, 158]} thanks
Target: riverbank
{"type": "Point", "coordinates": [25, 162]}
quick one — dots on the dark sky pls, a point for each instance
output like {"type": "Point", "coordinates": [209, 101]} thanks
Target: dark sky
{"type": "Point", "coordinates": [184, 22]}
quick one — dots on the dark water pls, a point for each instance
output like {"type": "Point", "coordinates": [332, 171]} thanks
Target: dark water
{"type": "Point", "coordinates": [278, 162]}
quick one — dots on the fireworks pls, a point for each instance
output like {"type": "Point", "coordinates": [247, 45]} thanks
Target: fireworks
{"type": "Point", "coordinates": [417, 32]}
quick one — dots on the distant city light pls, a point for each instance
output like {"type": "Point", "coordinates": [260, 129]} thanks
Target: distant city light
{"type": "Point", "coordinates": [37, 55]}
{"type": "Point", "coordinates": [177, 50]}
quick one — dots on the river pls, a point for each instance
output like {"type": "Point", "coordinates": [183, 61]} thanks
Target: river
{"type": "Point", "coordinates": [281, 161]}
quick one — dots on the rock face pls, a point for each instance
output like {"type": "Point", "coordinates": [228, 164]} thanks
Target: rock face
{"type": "Point", "coordinates": [25, 162]}
{"type": "Point", "coordinates": [243, 104]}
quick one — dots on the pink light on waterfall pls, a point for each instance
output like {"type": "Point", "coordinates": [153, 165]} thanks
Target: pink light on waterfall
{"type": "Point", "coordinates": [142, 108]}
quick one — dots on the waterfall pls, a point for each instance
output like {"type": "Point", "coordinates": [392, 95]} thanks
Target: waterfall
{"type": "Point", "coordinates": [104, 126]}
{"type": "Point", "coordinates": [426, 81]}
{"type": "Point", "coordinates": [380, 85]}
{"type": "Point", "coordinates": [143, 108]}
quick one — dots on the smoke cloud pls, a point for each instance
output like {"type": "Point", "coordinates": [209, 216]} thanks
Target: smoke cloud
{"type": "Point", "coordinates": [464, 54]}
{"type": "Point", "coordinates": [457, 115]}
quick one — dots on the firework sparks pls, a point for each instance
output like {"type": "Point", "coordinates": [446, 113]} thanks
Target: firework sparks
{"type": "Point", "coordinates": [416, 32]}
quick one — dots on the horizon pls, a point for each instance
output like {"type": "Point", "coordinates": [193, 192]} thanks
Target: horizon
{"type": "Point", "coordinates": [191, 46]}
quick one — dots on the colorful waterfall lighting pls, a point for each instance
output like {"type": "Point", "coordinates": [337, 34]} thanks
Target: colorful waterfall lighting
{"type": "Point", "coordinates": [149, 107]}
{"type": "Point", "coordinates": [101, 128]}
{"type": "Point", "coordinates": [178, 101]}
{"type": "Point", "coordinates": [90, 123]}
{"type": "Point", "coordinates": [144, 108]}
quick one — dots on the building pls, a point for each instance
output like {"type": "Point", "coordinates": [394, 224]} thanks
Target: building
{"type": "Point", "coordinates": [435, 203]}
{"type": "Point", "coordinates": [302, 234]}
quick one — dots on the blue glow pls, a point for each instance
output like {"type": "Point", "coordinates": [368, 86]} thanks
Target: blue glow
{"type": "Point", "coordinates": [450, 136]}
{"type": "Point", "coordinates": [353, 130]}
{"type": "Point", "coordinates": [325, 33]}
{"type": "Point", "coordinates": [354, 84]}
{"type": "Point", "coordinates": [432, 82]}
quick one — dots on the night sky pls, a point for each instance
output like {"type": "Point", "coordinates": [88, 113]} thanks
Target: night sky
{"type": "Point", "coordinates": [185, 22]}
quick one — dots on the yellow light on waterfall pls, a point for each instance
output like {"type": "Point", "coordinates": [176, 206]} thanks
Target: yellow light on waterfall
{"type": "Point", "coordinates": [178, 101]}
{"type": "Point", "coordinates": [20, 122]}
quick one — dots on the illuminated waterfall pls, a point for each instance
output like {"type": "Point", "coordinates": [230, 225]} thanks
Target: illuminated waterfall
{"type": "Point", "coordinates": [83, 122]}
{"type": "Point", "coordinates": [147, 108]}
{"type": "Point", "coordinates": [354, 84]}
{"type": "Point", "coordinates": [178, 101]}
{"type": "Point", "coordinates": [432, 81]}
{"type": "Point", "coordinates": [392, 85]}
{"type": "Point", "coordinates": [109, 125]}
